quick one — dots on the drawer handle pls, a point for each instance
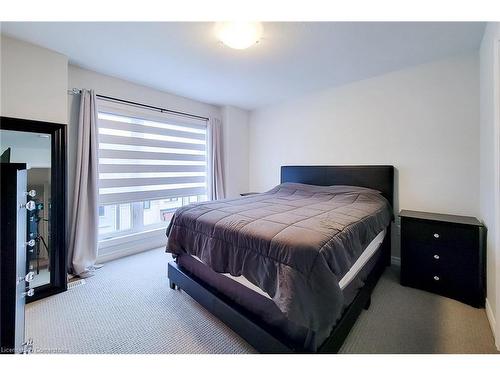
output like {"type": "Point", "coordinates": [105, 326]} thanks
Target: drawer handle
{"type": "Point", "coordinates": [436, 235]}
{"type": "Point", "coordinates": [436, 256]}
{"type": "Point", "coordinates": [436, 278]}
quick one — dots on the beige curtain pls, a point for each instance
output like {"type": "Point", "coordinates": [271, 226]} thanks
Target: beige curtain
{"type": "Point", "coordinates": [216, 175]}
{"type": "Point", "coordinates": [83, 236]}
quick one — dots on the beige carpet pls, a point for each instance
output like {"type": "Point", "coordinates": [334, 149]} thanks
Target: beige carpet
{"type": "Point", "coordinates": [129, 308]}
{"type": "Point", "coordinates": [407, 320]}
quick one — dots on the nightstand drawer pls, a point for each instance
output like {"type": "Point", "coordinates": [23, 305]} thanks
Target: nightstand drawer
{"type": "Point", "coordinates": [440, 234]}
{"type": "Point", "coordinates": [452, 257]}
{"type": "Point", "coordinates": [441, 281]}
{"type": "Point", "coordinates": [431, 280]}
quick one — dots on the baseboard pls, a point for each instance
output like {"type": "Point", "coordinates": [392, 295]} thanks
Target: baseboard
{"type": "Point", "coordinates": [492, 321]}
{"type": "Point", "coordinates": [396, 261]}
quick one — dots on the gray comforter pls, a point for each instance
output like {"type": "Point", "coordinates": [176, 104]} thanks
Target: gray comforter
{"type": "Point", "coordinates": [295, 242]}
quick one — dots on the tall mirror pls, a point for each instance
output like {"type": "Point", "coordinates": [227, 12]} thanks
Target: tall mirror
{"type": "Point", "coordinates": [33, 149]}
{"type": "Point", "coordinates": [41, 146]}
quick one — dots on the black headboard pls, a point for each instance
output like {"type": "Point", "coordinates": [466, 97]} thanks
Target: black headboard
{"type": "Point", "coordinates": [378, 177]}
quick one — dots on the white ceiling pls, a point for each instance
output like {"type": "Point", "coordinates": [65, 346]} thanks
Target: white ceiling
{"type": "Point", "coordinates": [291, 59]}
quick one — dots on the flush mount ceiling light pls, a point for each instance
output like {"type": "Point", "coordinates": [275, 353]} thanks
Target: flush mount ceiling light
{"type": "Point", "coordinates": [238, 35]}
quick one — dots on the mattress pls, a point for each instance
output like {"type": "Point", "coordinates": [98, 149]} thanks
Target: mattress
{"type": "Point", "coordinates": [363, 259]}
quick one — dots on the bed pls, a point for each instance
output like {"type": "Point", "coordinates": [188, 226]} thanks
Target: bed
{"type": "Point", "coordinates": [290, 269]}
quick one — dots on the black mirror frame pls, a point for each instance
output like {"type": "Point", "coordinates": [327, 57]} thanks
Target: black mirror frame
{"type": "Point", "coordinates": [58, 260]}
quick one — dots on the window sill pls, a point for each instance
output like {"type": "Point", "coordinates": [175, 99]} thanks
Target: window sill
{"type": "Point", "coordinates": [124, 238]}
{"type": "Point", "coordinates": [130, 244]}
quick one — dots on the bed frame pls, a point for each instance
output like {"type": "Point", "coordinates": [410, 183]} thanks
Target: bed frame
{"type": "Point", "coordinates": [266, 339]}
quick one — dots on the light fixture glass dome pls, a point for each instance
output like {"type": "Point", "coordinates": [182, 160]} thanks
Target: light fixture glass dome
{"type": "Point", "coordinates": [238, 35]}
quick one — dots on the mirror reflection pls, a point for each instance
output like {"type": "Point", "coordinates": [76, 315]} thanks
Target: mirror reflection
{"type": "Point", "coordinates": [34, 149]}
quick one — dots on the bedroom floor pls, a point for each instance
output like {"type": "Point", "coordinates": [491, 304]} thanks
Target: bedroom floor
{"type": "Point", "coordinates": [128, 307]}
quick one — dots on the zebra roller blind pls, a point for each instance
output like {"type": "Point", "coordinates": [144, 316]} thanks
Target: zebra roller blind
{"type": "Point", "coordinates": [146, 155]}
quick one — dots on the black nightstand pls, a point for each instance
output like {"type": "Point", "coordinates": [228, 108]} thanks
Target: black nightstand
{"type": "Point", "coordinates": [444, 254]}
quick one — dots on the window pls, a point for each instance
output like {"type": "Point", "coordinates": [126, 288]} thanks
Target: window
{"type": "Point", "coordinates": [115, 218]}
{"type": "Point", "coordinates": [149, 165]}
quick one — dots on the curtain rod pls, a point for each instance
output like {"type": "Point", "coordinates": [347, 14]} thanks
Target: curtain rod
{"type": "Point", "coordinates": [163, 110]}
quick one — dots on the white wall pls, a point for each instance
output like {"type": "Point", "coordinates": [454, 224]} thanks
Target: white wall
{"type": "Point", "coordinates": [423, 120]}
{"type": "Point", "coordinates": [490, 165]}
{"type": "Point", "coordinates": [28, 148]}
{"type": "Point", "coordinates": [235, 148]}
{"type": "Point", "coordinates": [33, 82]}
{"type": "Point", "coordinates": [107, 85]}
{"type": "Point", "coordinates": [33, 157]}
